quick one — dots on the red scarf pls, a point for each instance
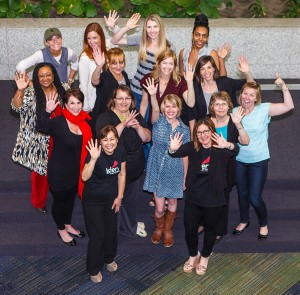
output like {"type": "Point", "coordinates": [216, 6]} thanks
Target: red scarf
{"type": "Point", "coordinates": [85, 129]}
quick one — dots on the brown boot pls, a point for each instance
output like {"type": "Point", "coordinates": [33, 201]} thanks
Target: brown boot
{"type": "Point", "coordinates": [157, 234]}
{"type": "Point", "coordinates": [168, 234]}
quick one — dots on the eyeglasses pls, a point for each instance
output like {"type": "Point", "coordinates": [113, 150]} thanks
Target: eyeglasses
{"type": "Point", "coordinates": [223, 104]}
{"type": "Point", "coordinates": [123, 98]}
{"type": "Point", "coordinates": [205, 132]}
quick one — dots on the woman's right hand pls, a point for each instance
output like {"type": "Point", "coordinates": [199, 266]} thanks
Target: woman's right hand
{"type": "Point", "coordinates": [130, 119]}
{"type": "Point", "coordinates": [51, 102]}
{"type": "Point", "coordinates": [99, 56]}
{"type": "Point", "coordinates": [175, 142]}
{"type": "Point", "coordinates": [94, 149]}
{"type": "Point", "coordinates": [22, 80]}
{"type": "Point", "coordinates": [223, 52]}
{"type": "Point", "coordinates": [243, 64]}
{"type": "Point", "coordinates": [133, 21]}
{"type": "Point", "coordinates": [111, 19]}
{"type": "Point", "coordinates": [150, 86]}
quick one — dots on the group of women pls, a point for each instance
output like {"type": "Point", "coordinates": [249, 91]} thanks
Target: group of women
{"type": "Point", "coordinates": [90, 141]}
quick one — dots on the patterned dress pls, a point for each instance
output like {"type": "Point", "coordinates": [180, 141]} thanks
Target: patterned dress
{"type": "Point", "coordinates": [164, 175]}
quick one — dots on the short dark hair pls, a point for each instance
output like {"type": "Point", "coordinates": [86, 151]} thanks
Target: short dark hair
{"type": "Point", "coordinates": [125, 88]}
{"type": "Point", "coordinates": [73, 92]}
{"type": "Point", "coordinates": [103, 132]}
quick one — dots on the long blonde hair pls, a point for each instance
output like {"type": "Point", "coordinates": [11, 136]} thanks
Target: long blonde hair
{"type": "Point", "coordinates": [160, 58]}
{"type": "Point", "coordinates": [163, 43]}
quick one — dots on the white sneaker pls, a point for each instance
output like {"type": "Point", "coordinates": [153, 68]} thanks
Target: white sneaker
{"type": "Point", "coordinates": [141, 231]}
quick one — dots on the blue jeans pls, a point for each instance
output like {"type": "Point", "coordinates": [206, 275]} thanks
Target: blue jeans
{"type": "Point", "coordinates": [250, 181]}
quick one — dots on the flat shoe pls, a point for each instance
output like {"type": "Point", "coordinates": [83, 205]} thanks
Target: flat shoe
{"type": "Point", "coordinates": [239, 232]}
{"type": "Point", "coordinates": [262, 237]}
{"type": "Point", "coordinates": [71, 243]}
{"type": "Point", "coordinates": [80, 235]}
{"type": "Point", "coordinates": [97, 278]}
{"type": "Point", "coordinates": [111, 267]}
{"type": "Point", "coordinates": [42, 210]}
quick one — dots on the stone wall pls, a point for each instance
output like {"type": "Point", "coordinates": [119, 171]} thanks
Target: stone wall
{"type": "Point", "coordinates": [271, 45]}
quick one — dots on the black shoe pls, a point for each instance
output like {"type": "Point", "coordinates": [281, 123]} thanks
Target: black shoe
{"type": "Point", "coordinates": [217, 240]}
{"type": "Point", "coordinates": [262, 237]}
{"type": "Point", "coordinates": [42, 210]}
{"type": "Point", "coordinates": [239, 232]}
{"type": "Point", "coordinates": [80, 235]}
{"type": "Point", "coordinates": [71, 243]}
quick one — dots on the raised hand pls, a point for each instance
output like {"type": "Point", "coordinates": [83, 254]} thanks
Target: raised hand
{"type": "Point", "coordinates": [150, 87]}
{"type": "Point", "coordinates": [221, 142]}
{"type": "Point", "coordinates": [224, 50]}
{"type": "Point", "coordinates": [111, 19]}
{"type": "Point", "coordinates": [22, 80]}
{"type": "Point", "coordinates": [243, 64]}
{"type": "Point", "coordinates": [279, 82]}
{"type": "Point", "coordinates": [189, 73]}
{"type": "Point", "coordinates": [99, 56]}
{"type": "Point", "coordinates": [133, 21]}
{"type": "Point", "coordinates": [130, 117]}
{"type": "Point", "coordinates": [175, 142]}
{"type": "Point", "coordinates": [51, 101]}
{"type": "Point", "coordinates": [94, 149]}
{"type": "Point", "coordinates": [238, 116]}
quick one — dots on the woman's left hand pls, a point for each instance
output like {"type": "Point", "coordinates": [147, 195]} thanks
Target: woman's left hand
{"type": "Point", "coordinates": [51, 102]}
{"type": "Point", "coordinates": [238, 116]}
{"type": "Point", "coordinates": [189, 73]}
{"type": "Point", "coordinates": [111, 19]}
{"type": "Point", "coordinates": [117, 204]}
{"type": "Point", "coordinates": [243, 64]}
{"type": "Point", "coordinates": [222, 143]}
{"type": "Point", "coordinates": [279, 82]}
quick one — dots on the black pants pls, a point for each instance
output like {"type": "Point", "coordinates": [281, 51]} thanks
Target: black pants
{"type": "Point", "coordinates": [222, 226]}
{"type": "Point", "coordinates": [194, 215]}
{"type": "Point", "coordinates": [63, 205]}
{"type": "Point", "coordinates": [101, 224]}
{"type": "Point", "coordinates": [127, 221]}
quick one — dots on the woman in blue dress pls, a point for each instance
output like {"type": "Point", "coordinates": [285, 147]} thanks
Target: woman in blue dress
{"type": "Point", "coordinates": [165, 175]}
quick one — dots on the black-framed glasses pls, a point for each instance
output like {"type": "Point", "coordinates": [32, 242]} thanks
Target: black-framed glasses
{"type": "Point", "coordinates": [123, 98]}
{"type": "Point", "coordinates": [204, 132]}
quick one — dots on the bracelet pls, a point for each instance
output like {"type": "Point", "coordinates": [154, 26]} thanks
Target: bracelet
{"type": "Point", "coordinates": [240, 128]}
{"type": "Point", "coordinates": [229, 147]}
{"type": "Point", "coordinates": [71, 80]}
{"type": "Point", "coordinates": [172, 152]}
{"type": "Point", "coordinates": [286, 89]}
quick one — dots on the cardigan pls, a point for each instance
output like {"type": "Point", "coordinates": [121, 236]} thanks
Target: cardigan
{"type": "Point", "coordinates": [218, 166]}
{"type": "Point", "coordinates": [231, 86]}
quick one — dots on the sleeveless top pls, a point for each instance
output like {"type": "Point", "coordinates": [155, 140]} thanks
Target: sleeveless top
{"type": "Point", "coordinates": [186, 53]}
{"type": "Point", "coordinates": [61, 66]}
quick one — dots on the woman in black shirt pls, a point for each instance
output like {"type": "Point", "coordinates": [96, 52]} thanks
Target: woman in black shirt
{"type": "Point", "coordinates": [104, 173]}
{"type": "Point", "coordinates": [206, 181]}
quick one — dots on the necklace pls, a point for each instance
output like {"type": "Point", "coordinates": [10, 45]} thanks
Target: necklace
{"type": "Point", "coordinates": [120, 116]}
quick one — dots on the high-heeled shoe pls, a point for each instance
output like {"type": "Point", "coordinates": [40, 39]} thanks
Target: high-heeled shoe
{"type": "Point", "coordinates": [97, 278]}
{"type": "Point", "coordinates": [80, 235]}
{"type": "Point", "coordinates": [71, 243]}
{"type": "Point", "coordinates": [240, 231]}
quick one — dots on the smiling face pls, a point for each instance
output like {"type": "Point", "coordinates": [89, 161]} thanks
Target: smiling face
{"type": "Point", "coordinates": [54, 44]}
{"type": "Point", "coordinates": [152, 29]}
{"type": "Point", "coordinates": [248, 99]}
{"type": "Point", "coordinates": [109, 143]}
{"type": "Point", "coordinates": [74, 105]}
{"type": "Point", "coordinates": [123, 101]}
{"type": "Point", "coordinates": [46, 77]}
{"type": "Point", "coordinates": [220, 108]}
{"type": "Point", "coordinates": [94, 39]}
{"type": "Point", "coordinates": [204, 135]}
{"type": "Point", "coordinates": [167, 66]}
{"type": "Point", "coordinates": [200, 37]}
{"type": "Point", "coordinates": [116, 66]}
{"type": "Point", "coordinates": [171, 111]}
{"type": "Point", "coordinates": [207, 72]}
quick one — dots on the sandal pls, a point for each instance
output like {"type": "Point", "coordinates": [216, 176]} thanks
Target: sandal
{"type": "Point", "coordinates": [188, 268]}
{"type": "Point", "coordinates": [201, 270]}
{"type": "Point", "coordinates": [111, 267]}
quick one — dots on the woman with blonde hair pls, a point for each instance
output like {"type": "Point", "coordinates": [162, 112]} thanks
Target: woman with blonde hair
{"type": "Point", "coordinates": [165, 175]}
{"type": "Point", "coordinates": [166, 80]}
{"type": "Point", "coordinates": [151, 43]}
{"type": "Point", "coordinates": [93, 43]}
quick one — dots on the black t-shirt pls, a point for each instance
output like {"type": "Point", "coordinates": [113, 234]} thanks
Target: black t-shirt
{"type": "Point", "coordinates": [102, 186]}
{"type": "Point", "coordinates": [201, 192]}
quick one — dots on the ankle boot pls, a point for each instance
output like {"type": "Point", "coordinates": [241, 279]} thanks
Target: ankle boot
{"type": "Point", "coordinates": [168, 234]}
{"type": "Point", "coordinates": [157, 234]}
